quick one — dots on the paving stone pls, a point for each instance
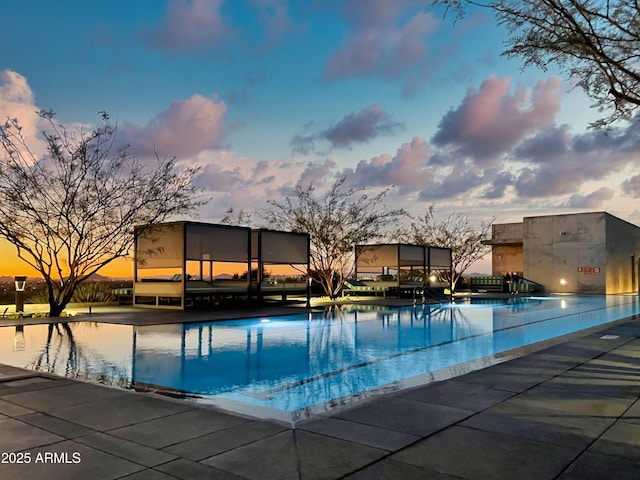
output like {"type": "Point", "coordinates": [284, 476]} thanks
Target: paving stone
{"type": "Point", "coordinates": [601, 377]}
{"type": "Point", "coordinates": [146, 456]}
{"type": "Point", "coordinates": [600, 341]}
{"type": "Point", "coordinates": [224, 440]}
{"type": "Point", "coordinates": [633, 414]}
{"type": "Point", "coordinates": [126, 410]}
{"type": "Point", "coordinates": [522, 373]}
{"type": "Point", "coordinates": [622, 439]}
{"type": "Point", "coordinates": [322, 457]}
{"type": "Point", "coordinates": [508, 380]}
{"type": "Point", "coordinates": [627, 329]}
{"type": "Point", "coordinates": [565, 402]}
{"type": "Point", "coordinates": [541, 425]}
{"type": "Point", "coordinates": [388, 469]}
{"type": "Point", "coordinates": [627, 356]}
{"type": "Point", "coordinates": [9, 371]}
{"type": "Point", "coordinates": [17, 436]}
{"type": "Point", "coordinates": [356, 432]}
{"type": "Point", "coordinates": [594, 466]}
{"type": "Point", "coordinates": [274, 457]}
{"type": "Point", "coordinates": [12, 410]}
{"type": "Point", "coordinates": [478, 455]}
{"type": "Point", "coordinates": [633, 345]}
{"type": "Point", "coordinates": [188, 470]}
{"type": "Point", "coordinates": [149, 474]}
{"type": "Point", "coordinates": [294, 454]}
{"type": "Point", "coordinates": [467, 396]}
{"type": "Point", "coordinates": [21, 382]}
{"type": "Point", "coordinates": [579, 351]}
{"type": "Point", "coordinates": [55, 425]}
{"type": "Point", "coordinates": [406, 416]}
{"type": "Point", "coordinates": [172, 429]}
{"type": "Point", "coordinates": [31, 384]}
{"type": "Point", "coordinates": [64, 396]}
{"type": "Point", "coordinates": [91, 463]}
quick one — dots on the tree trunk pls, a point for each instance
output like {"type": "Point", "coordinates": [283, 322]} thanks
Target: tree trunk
{"type": "Point", "coordinates": [56, 309]}
{"type": "Point", "coordinates": [57, 303]}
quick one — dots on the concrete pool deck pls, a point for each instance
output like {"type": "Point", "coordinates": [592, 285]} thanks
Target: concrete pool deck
{"type": "Point", "coordinates": [571, 410]}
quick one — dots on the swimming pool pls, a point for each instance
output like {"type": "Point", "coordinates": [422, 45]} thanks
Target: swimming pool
{"type": "Point", "coordinates": [295, 366]}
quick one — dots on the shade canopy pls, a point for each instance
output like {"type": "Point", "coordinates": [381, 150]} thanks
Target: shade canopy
{"type": "Point", "coordinates": [372, 258]}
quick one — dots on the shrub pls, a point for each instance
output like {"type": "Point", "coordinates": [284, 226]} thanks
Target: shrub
{"type": "Point", "coordinates": [93, 292]}
{"type": "Point", "coordinates": [89, 292]}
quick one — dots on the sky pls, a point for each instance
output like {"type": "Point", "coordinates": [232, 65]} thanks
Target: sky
{"type": "Point", "coordinates": [268, 94]}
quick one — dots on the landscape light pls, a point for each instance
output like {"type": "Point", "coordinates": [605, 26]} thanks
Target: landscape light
{"type": "Point", "coordinates": [21, 282]}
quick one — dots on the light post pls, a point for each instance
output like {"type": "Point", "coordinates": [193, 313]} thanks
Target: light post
{"type": "Point", "coordinates": [20, 282]}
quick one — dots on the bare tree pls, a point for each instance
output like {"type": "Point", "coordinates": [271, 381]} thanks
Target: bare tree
{"type": "Point", "coordinates": [336, 222]}
{"type": "Point", "coordinates": [596, 43]}
{"type": "Point", "coordinates": [72, 211]}
{"type": "Point", "coordinates": [454, 231]}
{"type": "Point", "coordinates": [242, 218]}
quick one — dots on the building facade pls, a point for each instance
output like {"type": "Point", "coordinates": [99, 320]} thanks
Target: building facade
{"type": "Point", "coordinates": [584, 253]}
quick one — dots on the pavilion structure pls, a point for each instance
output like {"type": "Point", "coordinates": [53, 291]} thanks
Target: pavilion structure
{"type": "Point", "coordinates": [402, 268]}
{"type": "Point", "coordinates": [182, 264]}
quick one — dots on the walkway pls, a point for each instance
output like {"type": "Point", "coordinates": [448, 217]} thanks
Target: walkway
{"type": "Point", "coordinates": [571, 411]}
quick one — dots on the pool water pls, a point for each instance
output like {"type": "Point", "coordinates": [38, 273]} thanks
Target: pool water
{"type": "Point", "coordinates": [294, 366]}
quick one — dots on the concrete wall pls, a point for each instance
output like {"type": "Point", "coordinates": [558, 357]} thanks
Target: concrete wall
{"type": "Point", "coordinates": [570, 247]}
{"type": "Point", "coordinates": [623, 253]}
{"type": "Point", "coordinates": [506, 258]}
{"type": "Point", "coordinates": [595, 253]}
{"type": "Point", "coordinates": [506, 250]}
{"type": "Point", "coordinates": [505, 233]}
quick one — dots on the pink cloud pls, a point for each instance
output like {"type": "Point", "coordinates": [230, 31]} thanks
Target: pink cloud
{"type": "Point", "coordinates": [14, 88]}
{"type": "Point", "coordinates": [382, 41]}
{"type": "Point", "coordinates": [188, 25]}
{"type": "Point", "coordinates": [491, 120]}
{"type": "Point", "coordinates": [17, 101]}
{"type": "Point", "coordinates": [316, 172]}
{"type": "Point", "coordinates": [185, 129]}
{"type": "Point", "coordinates": [408, 168]}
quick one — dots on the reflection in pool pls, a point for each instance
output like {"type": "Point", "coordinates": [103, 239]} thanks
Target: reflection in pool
{"type": "Point", "coordinates": [293, 366]}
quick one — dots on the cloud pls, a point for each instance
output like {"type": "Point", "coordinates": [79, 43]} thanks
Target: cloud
{"type": "Point", "coordinates": [591, 200]}
{"type": "Point", "coordinates": [492, 120]}
{"type": "Point", "coordinates": [631, 186]}
{"type": "Point", "coordinates": [457, 181]}
{"type": "Point", "coordinates": [304, 142]}
{"type": "Point", "coordinates": [498, 185]}
{"type": "Point", "coordinates": [383, 41]}
{"type": "Point", "coordinates": [315, 172]}
{"type": "Point", "coordinates": [189, 25]}
{"type": "Point", "coordinates": [216, 178]}
{"type": "Point", "coordinates": [243, 94]}
{"type": "Point", "coordinates": [356, 127]}
{"type": "Point", "coordinates": [548, 145]}
{"type": "Point", "coordinates": [274, 17]}
{"type": "Point", "coordinates": [200, 26]}
{"type": "Point", "coordinates": [409, 168]}
{"type": "Point", "coordinates": [559, 162]}
{"type": "Point", "coordinates": [186, 128]}
{"type": "Point", "coordinates": [360, 127]}
{"type": "Point", "coordinates": [15, 88]}
{"type": "Point", "coordinates": [17, 100]}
